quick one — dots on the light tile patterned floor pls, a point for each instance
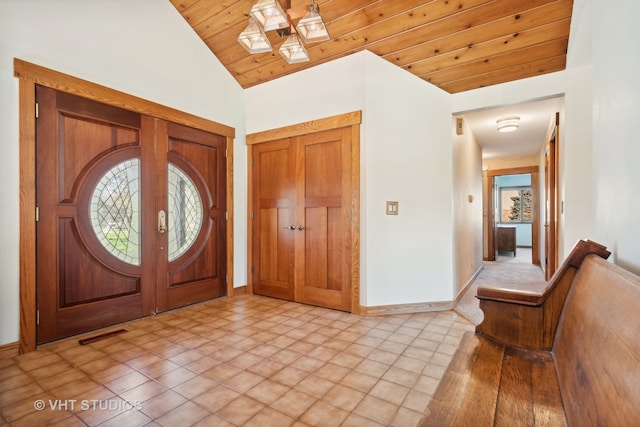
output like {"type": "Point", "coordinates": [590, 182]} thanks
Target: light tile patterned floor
{"type": "Point", "coordinates": [248, 360]}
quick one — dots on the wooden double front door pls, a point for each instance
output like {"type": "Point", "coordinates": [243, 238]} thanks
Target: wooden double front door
{"type": "Point", "coordinates": [131, 215]}
{"type": "Point", "coordinates": [302, 218]}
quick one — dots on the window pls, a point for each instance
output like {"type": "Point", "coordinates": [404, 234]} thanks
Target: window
{"type": "Point", "coordinates": [516, 205]}
{"type": "Point", "coordinates": [185, 212]}
{"type": "Point", "coordinates": [115, 211]}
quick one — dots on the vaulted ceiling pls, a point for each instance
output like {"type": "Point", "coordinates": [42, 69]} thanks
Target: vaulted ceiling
{"type": "Point", "coordinates": [456, 45]}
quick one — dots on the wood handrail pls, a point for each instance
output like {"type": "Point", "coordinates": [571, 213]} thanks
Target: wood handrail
{"type": "Point", "coordinates": [574, 260]}
{"type": "Point", "coordinates": [528, 319]}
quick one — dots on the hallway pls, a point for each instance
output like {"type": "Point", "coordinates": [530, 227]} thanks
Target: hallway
{"type": "Point", "coordinates": [507, 271]}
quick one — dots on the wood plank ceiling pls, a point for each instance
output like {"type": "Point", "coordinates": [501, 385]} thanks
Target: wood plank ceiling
{"type": "Point", "coordinates": [456, 45]}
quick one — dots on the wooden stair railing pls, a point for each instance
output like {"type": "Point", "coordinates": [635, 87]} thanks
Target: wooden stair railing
{"type": "Point", "coordinates": [513, 317]}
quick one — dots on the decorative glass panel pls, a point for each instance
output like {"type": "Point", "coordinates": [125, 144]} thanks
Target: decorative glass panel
{"type": "Point", "coordinates": [185, 212]}
{"type": "Point", "coordinates": [115, 211]}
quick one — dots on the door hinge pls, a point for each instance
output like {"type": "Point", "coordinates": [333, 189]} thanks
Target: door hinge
{"type": "Point", "coordinates": [251, 161]}
{"type": "Point", "coordinates": [37, 317]}
{"type": "Point", "coordinates": [37, 111]}
{"type": "Point", "coordinates": [226, 278]}
{"type": "Point", "coordinates": [37, 214]}
{"type": "Point", "coordinates": [226, 152]}
{"type": "Point", "coordinates": [251, 214]}
{"type": "Point", "coordinates": [226, 215]}
{"type": "Point", "coordinates": [252, 269]}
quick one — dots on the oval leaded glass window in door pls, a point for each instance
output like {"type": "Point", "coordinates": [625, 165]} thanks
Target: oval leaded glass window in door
{"type": "Point", "coordinates": [115, 211]}
{"type": "Point", "coordinates": [185, 212]}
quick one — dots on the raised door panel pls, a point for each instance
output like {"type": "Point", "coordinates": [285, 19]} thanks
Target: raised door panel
{"type": "Point", "coordinates": [323, 210]}
{"type": "Point", "coordinates": [273, 221]}
{"type": "Point", "coordinates": [191, 258]}
{"type": "Point", "coordinates": [90, 269]}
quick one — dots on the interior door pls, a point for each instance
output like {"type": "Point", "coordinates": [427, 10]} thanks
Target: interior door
{"type": "Point", "coordinates": [91, 269]}
{"type": "Point", "coordinates": [191, 223]}
{"type": "Point", "coordinates": [273, 220]}
{"type": "Point", "coordinates": [550, 223]}
{"type": "Point", "coordinates": [494, 214]}
{"type": "Point", "coordinates": [323, 215]}
{"type": "Point", "coordinates": [117, 236]}
{"type": "Point", "coordinates": [301, 218]}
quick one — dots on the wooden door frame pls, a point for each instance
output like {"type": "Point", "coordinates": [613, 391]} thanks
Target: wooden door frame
{"type": "Point", "coordinates": [352, 120]}
{"type": "Point", "coordinates": [551, 174]}
{"type": "Point", "coordinates": [535, 226]}
{"type": "Point", "coordinates": [29, 76]}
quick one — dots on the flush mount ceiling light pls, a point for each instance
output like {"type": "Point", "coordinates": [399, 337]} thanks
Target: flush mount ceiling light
{"type": "Point", "coordinates": [508, 124]}
{"type": "Point", "coordinates": [268, 15]}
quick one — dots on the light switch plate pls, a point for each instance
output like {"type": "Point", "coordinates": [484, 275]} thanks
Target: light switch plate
{"type": "Point", "coordinates": [392, 208]}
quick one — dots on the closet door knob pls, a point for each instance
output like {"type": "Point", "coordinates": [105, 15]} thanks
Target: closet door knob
{"type": "Point", "coordinates": [300, 227]}
{"type": "Point", "coordinates": [291, 227]}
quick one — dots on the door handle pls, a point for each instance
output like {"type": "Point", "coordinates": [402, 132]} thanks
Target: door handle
{"type": "Point", "coordinates": [291, 227]}
{"type": "Point", "coordinates": [162, 222]}
{"type": "Point", "coordinates": [300, 227]}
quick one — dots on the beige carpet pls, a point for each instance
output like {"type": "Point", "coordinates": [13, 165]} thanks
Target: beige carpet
{"type": "Point", "coordinates": [506, 272]}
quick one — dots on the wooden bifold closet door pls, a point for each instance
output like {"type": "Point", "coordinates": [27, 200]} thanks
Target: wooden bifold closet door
{"type": "Point", "coordinates": [301, 218]}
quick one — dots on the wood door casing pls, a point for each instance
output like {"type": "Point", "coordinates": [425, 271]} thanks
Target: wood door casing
{"type": "Point", "coordinates": [551, 202]}
{"type": "Point", "coordinates": [490, 208]}
{"type": "Point", "coordinates": [78, 141]}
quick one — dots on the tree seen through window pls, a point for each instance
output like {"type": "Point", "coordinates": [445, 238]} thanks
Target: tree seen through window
{"type": "Point", "coordinates": [516, 205]}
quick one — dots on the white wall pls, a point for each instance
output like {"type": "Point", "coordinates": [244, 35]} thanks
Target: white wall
{"type": "Point", "coordinates": [333, 88]}
{"type": "Point", "coordinates": [616, 115]}
{"type": "Point", "coordinates": [576, 161]}
{"type": "Point", "coordinates": [467, 214]}
{"type": "Point", "coordinates": [533, 88]}
{"type": "Point", "coordinates": [405, 155]}
{"type": "Point", "coordinates": [576, 153]}
{"type": "Point", "coordinates": [409, 257]}
{"type": "Point", "coordinates": [141, 47]}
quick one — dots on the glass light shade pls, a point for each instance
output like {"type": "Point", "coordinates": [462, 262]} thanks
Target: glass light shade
{"type": "Point", "coordinates": [293, 51]}
{"type": "Point", "coordinates": [270, 15]}
{"type": "Point", "coordinates": [254, 39]}
{"type": "Point", "coordinates": [311, 27]}
{"type": "Point", "coordinates": [508, 124]}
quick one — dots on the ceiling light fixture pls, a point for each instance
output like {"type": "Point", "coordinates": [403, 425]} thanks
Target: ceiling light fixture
{"type": "Point", "coordinates": [311, 26]}
{"type": "Point", "coordinates": [508, 124]}
{"type": "Point", "coordinates": [254, 39]}
{"type": "Point", "coordinates": [268, 15]}
{"type": "Point", "coordinates": [293, 51]}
